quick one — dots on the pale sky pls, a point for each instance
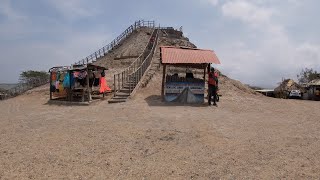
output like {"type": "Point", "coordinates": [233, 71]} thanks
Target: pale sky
{"type": "Point", "coordinates": [257, 41]}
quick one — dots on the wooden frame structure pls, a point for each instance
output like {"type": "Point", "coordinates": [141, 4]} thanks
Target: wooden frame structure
{"type": "Point", "coordinates": [185, 57]}
{"type": "Point", "coordinates": [71, 91]}
{"type": "Point", "coordinates": [194, 66]}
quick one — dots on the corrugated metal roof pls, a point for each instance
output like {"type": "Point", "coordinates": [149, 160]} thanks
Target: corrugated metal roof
{"type": "Point", "coordinates": [315, 82]}
{"type": "Point", "coordinates": [180, 55]}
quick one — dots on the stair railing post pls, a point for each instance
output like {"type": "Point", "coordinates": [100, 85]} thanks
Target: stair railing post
{"type": "Point", "coordinates": [119, 81]}
{"type": "Point", "coordinates": [136, 77]}
{"type": "Point", "coordinates": [114, 85]}
{"type": "Point", "coordinates": [129, 82]}
{"type": "Point", "coordinates": [122, 76]}
{"type": "Point", "coordinates": [140, 72]}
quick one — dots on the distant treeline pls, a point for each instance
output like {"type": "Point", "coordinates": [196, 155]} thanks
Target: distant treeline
{"type": "Point", "coordinates": [28, 80]}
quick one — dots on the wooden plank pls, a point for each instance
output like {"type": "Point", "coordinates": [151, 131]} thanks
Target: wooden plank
{"type": "Point", "coordinates": [114, 84]}
{"type": "Point", "coordinates": [88, 86]}
{"type": "Point", "coordinates": [50, 85]}
{"type": "Point", "coordinates": [163, 81]}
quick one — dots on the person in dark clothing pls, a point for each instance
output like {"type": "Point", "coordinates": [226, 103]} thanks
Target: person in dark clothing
{"type": "Point", "coordinates": [212, 85]}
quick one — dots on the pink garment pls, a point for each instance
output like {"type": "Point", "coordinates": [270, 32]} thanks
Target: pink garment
{"type": "Point", "coordinates": [104, 86]}
{"type": "Point", "coordinates": [80, 74]}
{"type": "Point", "coordinates": [57, 84]}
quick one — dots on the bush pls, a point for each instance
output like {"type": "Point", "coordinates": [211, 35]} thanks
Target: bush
{"type": "Point", "coordinates": [306, 75]}
{"type": "Point", "coordinates": [34, 78]}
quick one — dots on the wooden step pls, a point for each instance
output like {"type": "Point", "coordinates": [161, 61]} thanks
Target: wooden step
{"type": "Point", "coordinates": [120, 97]}
{"type": "Point", "coordinates": [117, 101]}
{"type": "Point", "coordinates": [129, 83]}
{"type": "Point", "coordinates": [128, 87]}
{"type": "Point", "coordinates": [126, 90]}
{"type": "Point", "coordinates": [122, 94]}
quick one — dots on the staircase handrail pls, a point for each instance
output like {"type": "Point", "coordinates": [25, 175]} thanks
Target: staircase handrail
{"type": "Point", "coordinates": [106, 49]}
{"type": "Point", "coordinates": [135, 70]}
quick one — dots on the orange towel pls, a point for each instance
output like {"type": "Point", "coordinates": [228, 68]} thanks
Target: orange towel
{"type": "Point", "coordinates": [104, 86]}
{"type": "Point", "coordinates": [53, 76]}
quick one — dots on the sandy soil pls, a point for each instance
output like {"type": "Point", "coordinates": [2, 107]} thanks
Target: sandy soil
{"type": "Point", "coordinates": [133, 46]}
{"type": "Point", "coordinates": [246, 137]}
{"type": "Point", "coordinates": [128, 51]}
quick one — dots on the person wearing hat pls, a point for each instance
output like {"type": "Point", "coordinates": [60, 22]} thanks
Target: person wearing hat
{"type": "Point", "coordinates": [212, 85]}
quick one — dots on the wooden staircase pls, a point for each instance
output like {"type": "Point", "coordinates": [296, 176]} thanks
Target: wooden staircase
{"type": "Point", "coordinates": [123, 94]}
{"type": "Point", "coordinates": [126, 82]}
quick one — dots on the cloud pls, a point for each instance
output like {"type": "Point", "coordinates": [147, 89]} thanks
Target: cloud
{"type": "Point", "coordinates": [247, 12]}
{"type": "Point", "coordinates": [258, 41]}
{"type": "Point", "coordinates": [76, 8]}
{"type": "Point", "coordinates": [213, 2]}
{"type": "Point", "coordinates": [7, 11]}
{"type": "Point", "coordinates": [265, 53]}
{"type": "Point", "coordinates": [43, 55]}
{"type": "Point", "coordinates": [28, 44]}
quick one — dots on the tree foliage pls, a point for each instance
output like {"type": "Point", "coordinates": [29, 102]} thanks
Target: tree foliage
{"type": "Point", "coordinates": [33, 76]}
{"type": "Point", "coordinates": [306, 75]}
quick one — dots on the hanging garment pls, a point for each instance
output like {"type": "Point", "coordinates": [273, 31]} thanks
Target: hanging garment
{"type": "Point", "coordinates": [97, 74]}
{"type": "Point", "coordinates": [103, 74]}
{"type": "Point", "coordinates": [66, 81]}
{"type": "Point", "coordinates": [80, 74]}
{"type": "Point", "coordinates": [91, 75]}
{"type": "Point", "coordinates": [62, 76]}
{"type": "Point", "coordinates": [91, 81]}
{"type": "Point", "coordinates": [58, 76]}
{"type": "Point", "coordinates": [96, 82]}
{"type": "Point", "coordinates": [53, 76]}
{"type": "Point", "coordinates": [104, 86]}
{"type": "Point", "coordinates": [72, 80]}
{"type": "Point", "coordinates": [57, 84]}
{"type": "Point", "coordinates": [61, 87]}
{"type": "Point", "coordinates": [52, 88]}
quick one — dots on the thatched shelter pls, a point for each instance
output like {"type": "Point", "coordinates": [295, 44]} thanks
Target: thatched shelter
{"type": "Point", "coordinates": [287, 85]}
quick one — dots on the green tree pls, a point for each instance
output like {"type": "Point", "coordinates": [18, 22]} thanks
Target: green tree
{"type": "Point", "coordinates": [34, 77]}
{"type": "Point", "coordinates": [306, 75]}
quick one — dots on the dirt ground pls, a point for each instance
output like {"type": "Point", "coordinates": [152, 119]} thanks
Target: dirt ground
{"type": "Point", "coordinates": [246, 137]}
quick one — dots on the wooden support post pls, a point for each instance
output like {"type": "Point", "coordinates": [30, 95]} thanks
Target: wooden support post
{"type": "Point", "coordinates": [163, 81]}
{"type": "Point", "coordinates": [50, 85]}
{"type": "Point", "coordinates": [119, 81]}
{"type": "Point", "coordinates": [204, 73]}
{"type": "Point", "coordinates": [88, 86]}
{"type": "Point", "coordinates": [122, 76]}
{"type": "Point", "coordinates": [129, 79]}
{"type": "Point", "coordinates": [69, 90]}
{"type": "Point", "coordinates": [114, 85]}
{"type": "Point", "coordinates": [204, 78]}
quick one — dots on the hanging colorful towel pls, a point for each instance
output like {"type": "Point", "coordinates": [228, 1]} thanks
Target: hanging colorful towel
{"type": "Point", "coordinates": [53, 76]}
{"type": "Point", "coordinates": [66, 81]}
{"type": "Point", "coordinates": [104, 86]}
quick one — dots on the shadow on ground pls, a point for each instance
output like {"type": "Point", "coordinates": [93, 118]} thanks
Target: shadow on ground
{"type": "Point", "coordinates": [155, 100]}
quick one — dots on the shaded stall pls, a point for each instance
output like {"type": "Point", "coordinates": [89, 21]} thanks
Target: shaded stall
{"type": "Point", "coordinates": [185, 88]}
{"type": "Point", "coordinates": [313, 90]}
{"type": "Point", "coordinates": [78, 83]}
